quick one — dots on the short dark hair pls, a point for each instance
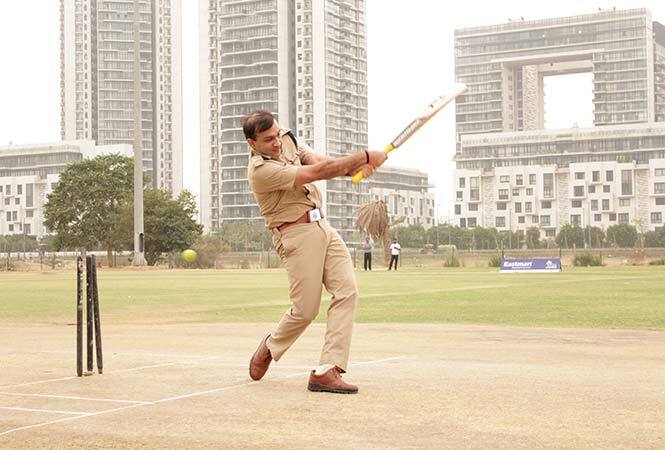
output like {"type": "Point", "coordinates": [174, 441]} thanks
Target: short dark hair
{"type": "Point", "coordinates": [256, 122]}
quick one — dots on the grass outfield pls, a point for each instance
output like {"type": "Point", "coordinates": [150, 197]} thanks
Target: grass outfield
{"type": "Point", "coordinates": [626, 297]}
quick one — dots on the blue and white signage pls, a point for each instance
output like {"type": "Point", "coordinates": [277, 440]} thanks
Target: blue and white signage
{"type": "Point", "coordinates": [531, 265]}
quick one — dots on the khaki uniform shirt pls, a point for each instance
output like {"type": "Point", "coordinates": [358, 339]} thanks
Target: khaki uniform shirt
{"type": "Point", "coordinates": [273, 183]}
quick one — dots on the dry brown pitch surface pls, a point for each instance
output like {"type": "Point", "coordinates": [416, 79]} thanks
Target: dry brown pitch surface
{"type": "Point", "coordinates": [421, 386]}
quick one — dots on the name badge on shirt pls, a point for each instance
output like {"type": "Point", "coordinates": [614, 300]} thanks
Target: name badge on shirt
{"type": "Point", "coordinates": [315, 215]}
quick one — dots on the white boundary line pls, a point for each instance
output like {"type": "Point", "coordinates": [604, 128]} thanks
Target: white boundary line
{"type": "Point", "coordinates": [50, 411]}
{"type": "Point", "coordinates": [51, 380]}
{"type": "Point", "coordinates": [67, 397]}
{"type": "Point", "coordinates": [169, 399]}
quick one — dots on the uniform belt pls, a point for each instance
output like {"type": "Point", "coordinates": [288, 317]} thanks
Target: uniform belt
{"type": "Point", "coordinates": [308, 217]}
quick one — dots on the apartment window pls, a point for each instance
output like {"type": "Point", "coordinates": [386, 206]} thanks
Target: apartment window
{"type": "Point", "coordinates": [474, 189]}
{"type": "Point", "coordinates": [27, 229]}
{"type": "Point", "coordinates": [460, 195]}
{"type": "Point", "coordinates": [17, 201]}
{"type": "Point", "coordinates": [471, 221]}
{"type": "Point", "coordinates": [656, 217]}
{"type": "Point", "coordinates": [606, 188]}
{"type": "Point", "coordinates": [627, 182]}
{"type": "Point", "coordinates": [462, 183]}
{"type": "Point", "coordinates": [578, 176]}
{"type": "Point", "coordinates": [532, 179]}
{"type": "Point", "coordinates": [19, 189]}
{"type": "Point", "coordinates": [10, 228]}
{"type": "Point", "coordinates": [576, 220]}
{"type": "Point", "coordinates": [660, 172]}
{"type": "Point", "coordinates": [624, 202]}
{"type": "Point", "coordinates": [623, 218]}
{"type": "Point", "coordinates": [606, 204]}
{"type": "Point", "coordinates": [609, 175]}
{"type": "Point", "coordinates": [501, 206]}
{"type": "Point", "coordinates": [550, 233]}
{"type": "Point", "coordinates": [520, 219]}
{"type": "Point", "coordinates": [548, 185]}
{"type": "Point", "coordinates": [503, 194]}
{"type": "Point", "coordinates": [473, 206]}
{"type": "Point", "coordinates": [458, 209]}
{"type": "Point", "coordinates": [597, 217]}
{"type": "Point", "coordinates": [595, 176]}
{"type": "Point", "coordinates": [462, 223]}
{"type": "Point", "coordinates": [8, 189]}
{"type": "Point", "coordinates": [518, 207]}
{"type": "Point", "coordinates": [500, 222]}
{"type": "Point", "coordinates": [594, 205]}
{"type": "Point", "coordinates": [613, 217]}
{"type": "Point", "coordinates": [527, 207]}
{"type": "Point", "coordinates": [660, 201]}
{"type": "Point", "coordinates": [14, 216]}
{"type": "Point", "coordinates": [516, 192]}
{"type": "Point", "coordinates": [546, 205]}
{"type": "Point", "coordinates": [576, 204]}
{"type": "Point", "coordinates": [29, 214]}
{"type": "Point", "coordinates": [592, 189]}
{"type": "Point", "coordinates": [534, 219]}
{"type": "Point", "coordinates": [9, 216]}
{"type": "Point", "coordinates": [7, 201]}
{"type": "Point", "coordinates": [659, 188]}
{"type": "Point", "coordinates": [519, 179]}
{"type": "Point", "coordinates": [578, 191]}
{"type": "Point", "coordinates": [545, 221]}
{"type": "Point", "coordinates": [0, 189]}
{"type": "Point", "coordinates": [29, 194]}
{"type": "Point", "coordinates": [503, 179]}
{"type": "Point", "coordinates": [529, 192]}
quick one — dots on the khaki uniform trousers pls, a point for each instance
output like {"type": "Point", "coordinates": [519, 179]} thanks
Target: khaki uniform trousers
{"type": "Point", "coordinates": [314, 255]}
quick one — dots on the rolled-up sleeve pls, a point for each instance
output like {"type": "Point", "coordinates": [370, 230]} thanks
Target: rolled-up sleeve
{"type": "Point", "coordinates": [274, 176]}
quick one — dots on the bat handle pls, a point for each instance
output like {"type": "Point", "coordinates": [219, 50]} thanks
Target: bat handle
{"type": "Point", "coordinates": [357, 178]}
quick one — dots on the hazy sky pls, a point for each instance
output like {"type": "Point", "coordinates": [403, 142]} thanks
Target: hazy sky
{"type": "Point", "coordinates": [410, 61]}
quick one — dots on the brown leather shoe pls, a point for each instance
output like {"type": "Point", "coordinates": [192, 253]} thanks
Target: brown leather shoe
{"type": "Point", "coordinates": [258, 365]}
{"type": "Point", "coordinates": [330, 381]}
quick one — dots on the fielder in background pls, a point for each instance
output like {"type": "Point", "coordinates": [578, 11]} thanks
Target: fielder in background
{"type": "Point", "coordinates": [366, 247]}
{"type": "Point", "coordinates": [281, 174]}
{"type": "Point", "coordinates": [395, 250]}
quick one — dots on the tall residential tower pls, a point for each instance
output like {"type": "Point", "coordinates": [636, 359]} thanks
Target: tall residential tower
{"type": "Point", "coordinates": [303, 60]}
{"type": "Point", "coordinates": [121, 79]}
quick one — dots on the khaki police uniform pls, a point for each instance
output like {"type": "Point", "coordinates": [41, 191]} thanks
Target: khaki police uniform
{"type": "Point", "coordinates": [313, 253]}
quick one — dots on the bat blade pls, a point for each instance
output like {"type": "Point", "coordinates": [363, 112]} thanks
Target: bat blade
{"type": "Point", "coordinates": [437, 105]}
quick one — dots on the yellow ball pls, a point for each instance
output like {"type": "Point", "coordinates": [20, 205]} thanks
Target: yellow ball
{"type": "Point", "coordinates": [189, 255]}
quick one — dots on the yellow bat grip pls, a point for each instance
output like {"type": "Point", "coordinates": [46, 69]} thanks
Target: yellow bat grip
{"type": "Point", "coordinates": [357, 178]}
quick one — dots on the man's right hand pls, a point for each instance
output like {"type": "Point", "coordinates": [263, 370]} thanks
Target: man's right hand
{"type": "Point", "coordinates": [376, 158]}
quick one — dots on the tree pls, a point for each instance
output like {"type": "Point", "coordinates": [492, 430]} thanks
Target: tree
{"type": "Point", "coordinates": [570, 236]}
{"type": "Point", "coordinates": [622, 235]}
{"type": "Point", "coordinates": [243, 235]}
{"type": "Point", "coordinates": [594, 236]}
{"type": "Point", "coordinates": [412, 236]}
{"type": "Point", "coordinates": [168, 224]}
{"type": "Point", "coordinates": [83, 208]}
{"type": "Point", "coordinates": [533, 237]}
{"type": "Point", "coordinates": [655, 238]}
{"type": "Point", "coordinates": [15, 243]}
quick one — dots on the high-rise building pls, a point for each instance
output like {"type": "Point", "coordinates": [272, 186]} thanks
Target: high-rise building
{"type": "Point", "coordinates": [303, 60]}
{"type": "Point", "coordinates": [121, 79]}
{"type": "Point", "coordinates": [512, 173]}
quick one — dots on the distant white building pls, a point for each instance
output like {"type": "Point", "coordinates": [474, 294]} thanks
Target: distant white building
{"type": "Point", "coordinates": [512, 174]}
{"type": "Point", "coordinates": [28, 173]}
{"type": "Point", "coordinates": [406, 194]}
{"type": "Point", "coordinates": [605, 176]}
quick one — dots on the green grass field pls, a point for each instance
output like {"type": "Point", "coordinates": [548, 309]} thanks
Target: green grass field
{"type": "Point", "coordinates": [626, 297]}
